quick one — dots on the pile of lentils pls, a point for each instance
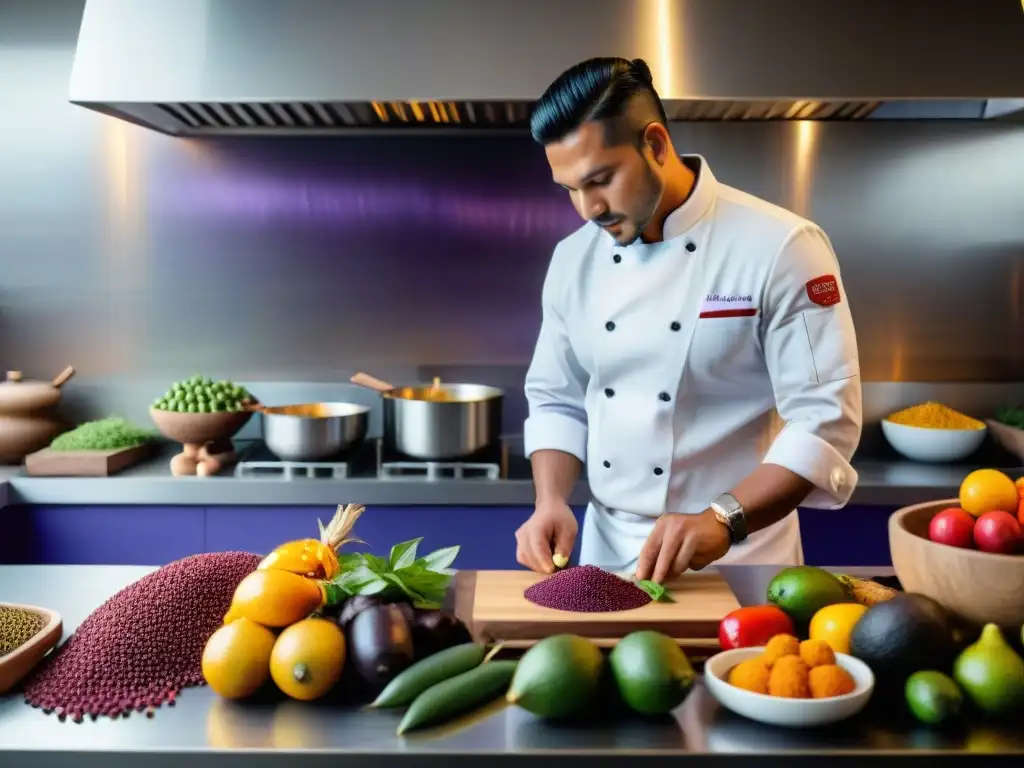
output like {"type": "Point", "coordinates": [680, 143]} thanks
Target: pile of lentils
{"type": "Point", "coordinates": [17, 627]}
{"type": "Point", "coordinates": [142, 646]}
{"type": "Point", "coordinates": [587, 589]}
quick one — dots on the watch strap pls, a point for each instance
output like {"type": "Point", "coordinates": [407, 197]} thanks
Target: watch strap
{"type": "Point", "coordinates": [730, 513]}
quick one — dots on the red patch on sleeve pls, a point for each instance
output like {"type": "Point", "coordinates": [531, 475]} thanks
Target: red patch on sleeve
{"type": "Point", "coordinates": [824, 290]}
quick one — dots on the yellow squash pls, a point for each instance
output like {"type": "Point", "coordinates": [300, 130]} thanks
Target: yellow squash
{"type": "Point", "coordinates": [312, 558]}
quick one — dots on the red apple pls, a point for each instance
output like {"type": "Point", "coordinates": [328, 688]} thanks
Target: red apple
{"type": "Point", "coordinates": [997, 532]}
{"type": "Point", "coordinates": [953, 527]}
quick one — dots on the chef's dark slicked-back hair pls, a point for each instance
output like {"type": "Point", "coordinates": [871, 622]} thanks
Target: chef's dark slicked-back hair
{"type": "Point", "coordinates": [616, 92]}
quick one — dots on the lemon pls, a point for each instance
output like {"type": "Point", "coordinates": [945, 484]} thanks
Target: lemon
{"type": "Point", "coordinates": [834, 623]}
{"type": "Point", "coordinates": [988, 490]}
{"type": "Point", "coordinates": [236, 659]}
{"type": "Point", "coordinates": [308, 658]}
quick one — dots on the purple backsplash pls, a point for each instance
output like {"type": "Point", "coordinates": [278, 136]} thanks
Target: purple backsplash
{"type": "Point", "coordinates": [426, 251]}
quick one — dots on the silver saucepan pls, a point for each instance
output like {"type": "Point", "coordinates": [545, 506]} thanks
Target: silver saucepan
{"type": "Point", "coordinates": [313, 431]}
{"type": "Point", "coordinates": [438, 422]}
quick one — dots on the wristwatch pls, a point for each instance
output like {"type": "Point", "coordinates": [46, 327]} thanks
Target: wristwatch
{"type": "Point", "coordinates": [729, 512]}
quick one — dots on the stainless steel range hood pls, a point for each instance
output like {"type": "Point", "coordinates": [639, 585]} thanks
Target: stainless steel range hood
{"type": "Point", "coordinates": [302, 67]}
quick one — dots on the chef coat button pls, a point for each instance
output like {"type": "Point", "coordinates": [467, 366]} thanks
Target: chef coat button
{"type": "Point", "coordinates": [607, 464]}
{"type": "Point", "coordinates": [616, 258]}
{"type": "Point", "coordinates": [838, 479]}
{"type": "Point", "coordinates": [664, 397]}
{"type": "Point", "coordinates": [609, 392]}
{"type": "Point", "coordinates": [610, 325]}
{"type": "Point", "coordinates": [658, 470]}
{"type": "Point", "coordinates": [675, 325]}
{"type": "Point", "coordinates": [691, 247]}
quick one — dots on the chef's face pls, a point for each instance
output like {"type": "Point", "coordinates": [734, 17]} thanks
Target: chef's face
{"type": "Point", "coordinates": [616, 185]}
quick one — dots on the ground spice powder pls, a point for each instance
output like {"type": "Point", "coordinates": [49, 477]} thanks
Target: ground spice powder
{"type": "Point", "coordinates": [587, 589]}
{"type": "Point", "coordinates": [142, 646]}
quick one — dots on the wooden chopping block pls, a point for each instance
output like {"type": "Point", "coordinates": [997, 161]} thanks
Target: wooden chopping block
{"type": "Point", "coordinates": [492, 605]}
{"type": "Point", "coordinates": [50, 463]}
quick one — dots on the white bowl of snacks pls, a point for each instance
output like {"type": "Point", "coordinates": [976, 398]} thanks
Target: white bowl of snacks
{"type": "Point", "coordinates": [827, 695]}
{"type": "Point", "coordinates": [933, 432]}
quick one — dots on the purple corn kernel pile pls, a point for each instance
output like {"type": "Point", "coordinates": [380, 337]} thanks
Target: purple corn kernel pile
{"type": "Point", "coordinates": [144, 644]}
{"type": "Point", "coordinates": [587, 589]}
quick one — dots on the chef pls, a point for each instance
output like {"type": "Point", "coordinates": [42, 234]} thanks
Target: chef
{"type": "Point", "coordinates": [696, 351]}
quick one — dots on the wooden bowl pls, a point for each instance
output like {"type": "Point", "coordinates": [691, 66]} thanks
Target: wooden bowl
{"type": "Point", "coordinates": [1010, 438]}
{"type": "Point", "coordinates": [15, 665]}
{"type": "Point", "coordinates": [978, 586]}
{"type": "Point", "coordinates": [199, 428]}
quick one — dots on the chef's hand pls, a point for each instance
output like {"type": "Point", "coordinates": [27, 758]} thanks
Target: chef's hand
{"type": "Point", "coordinates": [680, 542]}
{"type": "Point", "coordinates": [550, 530]}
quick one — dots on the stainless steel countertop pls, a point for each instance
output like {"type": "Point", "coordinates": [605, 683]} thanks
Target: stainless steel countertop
{"type": "Point", "coordinates": [207, 731]}
{"type": "Point", "coordinates": [882, 481]}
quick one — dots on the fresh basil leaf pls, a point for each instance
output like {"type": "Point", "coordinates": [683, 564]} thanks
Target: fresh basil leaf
{"type": "Point", "coordinates": [350, 560]}
{"type": "Point", "coordinates": [440, 559]}
{"type": "Point", "coordinates": [374, 587]}
{"type": "Point", "coordinates": [374, 563]}
{"type": "Point", "coordinates": [403, 554]}
{"type": "Point", "coordinates": [335, 592]}
{"type": "Point", "coordinates": [427, 583]}
{"type": "Point", "coordinates": [354, 581]}
{"type": "Point", "coordinates": [408, 591]}
{"type": "Point", "coordinates": [657, 592]}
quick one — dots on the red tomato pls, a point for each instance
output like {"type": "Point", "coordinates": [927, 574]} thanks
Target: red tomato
{"type": "Point", "coordinates": [753, 625]}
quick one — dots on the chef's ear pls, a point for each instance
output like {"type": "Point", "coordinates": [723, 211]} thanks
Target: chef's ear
{"type": "Point", "coordinates": [658, 142]}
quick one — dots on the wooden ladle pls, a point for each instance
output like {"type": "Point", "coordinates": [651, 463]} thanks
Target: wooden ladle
{"type": "Point", "coordinates": [372, 382]}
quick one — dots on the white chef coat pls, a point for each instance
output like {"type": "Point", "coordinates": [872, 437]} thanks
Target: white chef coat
{"type": "Point", "coordinates": [666, 367]}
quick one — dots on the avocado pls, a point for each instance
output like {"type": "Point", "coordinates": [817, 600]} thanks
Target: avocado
{"type": "Point", "coordinates": [651, 672]}
{"type": "Point", "coordinates": [559, 677]}
{"type": "Point", "coordinates": [900, 636]}
{"type": "Point", "coordinates": [802, 590]}
{"type": "Point", "coordinates": [933, 698]}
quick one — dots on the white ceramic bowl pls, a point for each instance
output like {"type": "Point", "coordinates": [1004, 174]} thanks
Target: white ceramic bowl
{"type": "Point", "coordinates": [790, 713]}
{"type": "Point", "coordinates": [925, 444]}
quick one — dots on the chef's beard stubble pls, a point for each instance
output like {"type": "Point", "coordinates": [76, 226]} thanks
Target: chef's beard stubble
{"type": "Point", "coordinates": [651, 191]}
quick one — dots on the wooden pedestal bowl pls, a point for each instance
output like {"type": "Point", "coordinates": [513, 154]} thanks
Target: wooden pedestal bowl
{"type": "Point", "coordinates": [199, 428]}
{"type": "Point", "coordinates": [19, 662]}
{"type": "Point", "coordinates": [977, 586]}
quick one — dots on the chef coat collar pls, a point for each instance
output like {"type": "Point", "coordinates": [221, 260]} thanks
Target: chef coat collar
{"type": "Point", "coordinates": [686, 216]}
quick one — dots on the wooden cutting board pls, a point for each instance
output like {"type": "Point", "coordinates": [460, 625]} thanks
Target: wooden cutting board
{"type": "Point", "coordinates": [49, 463]}
{"type": "Point", "coordinates": [491, 604]}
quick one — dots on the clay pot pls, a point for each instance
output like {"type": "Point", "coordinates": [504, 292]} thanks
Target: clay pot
{"type": "Point", "coordinates": [27, 414]}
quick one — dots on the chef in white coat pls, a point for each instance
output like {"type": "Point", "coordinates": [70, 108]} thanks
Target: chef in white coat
{"type": "Point", "coordinates": [696, 351]}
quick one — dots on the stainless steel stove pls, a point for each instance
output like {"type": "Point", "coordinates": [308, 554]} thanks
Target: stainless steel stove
{"type": "Point", "coordinates": [374, 460]}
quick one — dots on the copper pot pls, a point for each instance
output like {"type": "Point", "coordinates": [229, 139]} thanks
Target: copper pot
{"type": "Point", "coordinates": [27, 419]}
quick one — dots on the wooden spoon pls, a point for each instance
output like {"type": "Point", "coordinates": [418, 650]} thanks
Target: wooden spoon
{"type": "Point", "coordinates": [63, 377]}
{"type": "Point", "coordinates": [372, 382]}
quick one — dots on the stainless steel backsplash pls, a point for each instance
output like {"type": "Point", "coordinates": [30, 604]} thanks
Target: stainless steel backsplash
{"type": "Point", "coordinates": [142, 258]}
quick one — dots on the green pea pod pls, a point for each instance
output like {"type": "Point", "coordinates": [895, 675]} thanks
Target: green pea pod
{"type": "Point", "coordinates": [455, 696]}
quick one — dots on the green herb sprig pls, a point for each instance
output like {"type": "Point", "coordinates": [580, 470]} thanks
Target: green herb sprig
{"type": "Point", "coordinates": [422, 580]}
{"type": "Point", "coordinates": [656, 592]}
{"type": "Point", "coordinates": [1011, 416]}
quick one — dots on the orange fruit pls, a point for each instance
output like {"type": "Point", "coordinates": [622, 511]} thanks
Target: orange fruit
{"type": "Point", "coordinates": [276, 598]}
{"type": "Point", "coordinates": [306, 557]}
{"type": "Point", "coordinates": [988, 490]}
{"type": "Point", "coordinates": [834, 623]}
{"type": "Point", "coordinates": [236, 659]}
{"type": "Point", "coordinates": [1019, 483]}
{"type": "Point", "coordinates": [308, 659]}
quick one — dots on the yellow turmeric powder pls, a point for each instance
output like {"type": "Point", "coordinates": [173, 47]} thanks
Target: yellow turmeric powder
{"type": "Point", "coordinates": [934, 416]}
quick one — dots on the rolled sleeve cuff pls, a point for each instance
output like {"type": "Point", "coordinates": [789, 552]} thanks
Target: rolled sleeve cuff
{"type": "Point", "coordinates": [818, 462]}
{"type": "Point", "coordinates": [555, 432]}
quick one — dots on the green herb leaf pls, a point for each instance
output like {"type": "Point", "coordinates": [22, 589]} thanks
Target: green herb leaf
{"type": "Point", "coordinates": [361, 581]}
{"type": "Point", "coordinates": [440, 559]}
{"type": "Point", "coordinates": [374, 563]}
{"type": "Point", "coordinates": [403, 554]}
{"type": "Point", "coordinates": [397, 581]}
{"type": "Point", "coordinates": [336, 593]}
{"type": "Point", "coordinates": [657, 592]}
{"type": "Point", "coordinates": [350, 561]}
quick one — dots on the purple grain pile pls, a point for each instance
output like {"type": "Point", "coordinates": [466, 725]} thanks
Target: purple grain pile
{"type": "Point", "coordinates": [142, 646]}
{"type": "Point", "coordinates": [587, 589]}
